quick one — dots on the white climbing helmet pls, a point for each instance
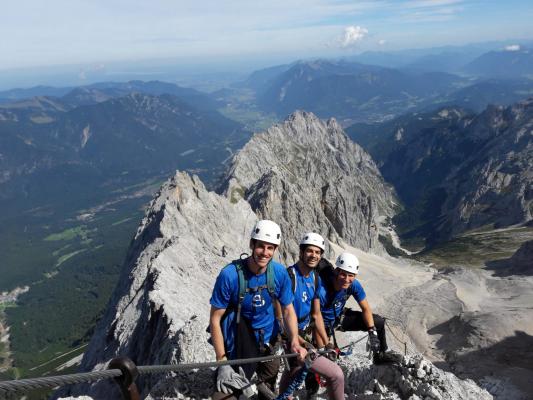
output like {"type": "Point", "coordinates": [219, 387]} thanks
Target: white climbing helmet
{"type": "Point", "coordinates": [267, 231]}
{"type": "Point", "coordinates": [313, 239]}
{"type": "Point", "coordinates": [348, 262]}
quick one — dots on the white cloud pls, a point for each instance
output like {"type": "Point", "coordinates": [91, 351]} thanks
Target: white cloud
{"type": "Point", "coordinates": [82, 75]}
{"type": "Point", "coordinates": [512, 47]}
{"type": "Point", "coordinates": [352, 35]}
{"type": "Point", "coordinates": [381, 42]}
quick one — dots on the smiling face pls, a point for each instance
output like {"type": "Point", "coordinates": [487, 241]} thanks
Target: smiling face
{"type": "Point", "coordinates": [310, 256]}
{"type": "Point", "coordinates": [343, 279]}
{"type": "Point", "coordinates": [262, 252]}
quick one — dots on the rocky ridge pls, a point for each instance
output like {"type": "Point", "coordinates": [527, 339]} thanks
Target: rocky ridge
{"type": "Point", "coordinates": [307, 174]}
{"type": "Point", "coordinates": [159, 310]}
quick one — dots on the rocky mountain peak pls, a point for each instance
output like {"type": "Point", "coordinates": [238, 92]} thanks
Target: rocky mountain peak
{"type": "Point", "coordinates": [306, 174]}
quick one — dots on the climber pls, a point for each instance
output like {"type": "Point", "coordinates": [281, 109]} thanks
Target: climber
{"type": "Point", "coordinates": [339, 284]}
{"type": "Point", "coordinates": [305, 286]}
{"type": "Point", "coordinates": [250, 297]}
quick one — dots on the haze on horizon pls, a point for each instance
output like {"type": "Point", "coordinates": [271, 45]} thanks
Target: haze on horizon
{"type": "Point", "coordinates": [64, 41]}
{"type": "Point", "coordinates": [67, 32]}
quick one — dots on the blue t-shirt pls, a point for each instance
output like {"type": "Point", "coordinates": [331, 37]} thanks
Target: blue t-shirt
{"type": "Point", "coordinates": [257, 305]}
{"type": "Point", "coordinates": [304, 294]}
{"type": "Point", "coordinates": [332, 303]}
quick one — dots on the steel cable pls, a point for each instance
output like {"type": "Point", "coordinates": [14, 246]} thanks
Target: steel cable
{"type": "Point", "coordinates": [24, 385]}
{"type": "Point", "coordinates": [396, 337]}
{"type": "Point", "coordinates": [152, 369]}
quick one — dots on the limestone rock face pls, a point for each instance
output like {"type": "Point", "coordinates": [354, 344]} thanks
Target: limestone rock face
{"type": "Point", "coordinates": [306, 174]}
{"type": "Point", "coordinates": [494, 186]}
{"type": "Point", "coordinates": [456, 171]}
{"type": "Point", "coordinates": [160, 308]}
{"type": "Point", "coordinates": [414, 378]}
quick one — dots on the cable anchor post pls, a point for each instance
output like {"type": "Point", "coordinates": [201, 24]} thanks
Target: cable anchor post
{"type": "Point", "coordinates": [127, 380]}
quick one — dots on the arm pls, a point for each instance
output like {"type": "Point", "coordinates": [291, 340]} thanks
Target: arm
{"type": "Point", "coordinates": [367, 313]}
{"type": "Point", "coordinates": [320, 330]}
{"type": "Point", "coordinates": [291, 324]}
{"type": "Point", "coordinates": [216, 332]}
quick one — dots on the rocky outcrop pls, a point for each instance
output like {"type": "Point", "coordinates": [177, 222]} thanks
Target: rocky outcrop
{"type": "Point", "coordinates": [160, 307]}
{"type": "Point", "coordinates": [414, 378]}
{"type": "Point", "coordinates": [306, 174]}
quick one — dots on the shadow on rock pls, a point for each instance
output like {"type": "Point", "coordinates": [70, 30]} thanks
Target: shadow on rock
{"type": "Point", "coordinates": [521, 263]}
{"type": "Point", "coordinates": [505, 368]}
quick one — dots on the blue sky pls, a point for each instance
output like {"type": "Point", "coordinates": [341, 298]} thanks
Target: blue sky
{"type": "Point", "coordinates": [56, 32]}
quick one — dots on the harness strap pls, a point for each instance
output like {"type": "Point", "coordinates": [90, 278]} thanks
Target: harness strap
{"type": "Point", "coordinates": [244, 289]}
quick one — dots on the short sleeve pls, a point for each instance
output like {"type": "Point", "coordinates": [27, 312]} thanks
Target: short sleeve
{"type": "Point", "coordinates": [357, 291]}
{"type": "Point", "coordinates": [283, 285]}
{"type": "Point", "coordinates": [221, 296]}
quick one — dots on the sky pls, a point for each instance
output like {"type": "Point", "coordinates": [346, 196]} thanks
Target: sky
{"type": "Point", "coordinates": [60, 32]}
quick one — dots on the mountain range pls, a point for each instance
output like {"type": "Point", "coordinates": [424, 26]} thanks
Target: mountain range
{"type": "Point", "coordinates": [106, 139]}
{"type": "Point", "coordinates": [457, 171]}
{"type": "Point", "coordinates": [77, 165]}
{"type": "Point", "coordinates": [512, 63]}
{"type": "Point", "coordinates": [353, 92]}
{"type": "Point", "coordinates": [75, 174]}
{"type": "Point", "coordinates": [350, 91]}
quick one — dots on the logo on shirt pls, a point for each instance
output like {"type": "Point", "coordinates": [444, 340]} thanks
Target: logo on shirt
{"type": "Point", "coordinates": [304, 297]}
{"type": "Point", "coordinates": [258, 301]}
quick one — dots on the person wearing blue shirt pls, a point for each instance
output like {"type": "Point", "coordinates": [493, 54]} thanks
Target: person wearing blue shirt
{"type": "Point", "coordinates": [306, 286]}
{"type": "Point", "coordinates": [338, 285]}
{"type": "Point", "coordinates": [255, 328]}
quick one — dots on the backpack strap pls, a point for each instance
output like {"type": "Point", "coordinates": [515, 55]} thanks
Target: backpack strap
{"type": "Point", "coordinates": [292, 275]}
{"type": "Point", "coordinates": [271, 282]}
{"type": "Point", "coordinates": [243, 285]}
{"type": "Point", "coordinates": [290, 270]}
